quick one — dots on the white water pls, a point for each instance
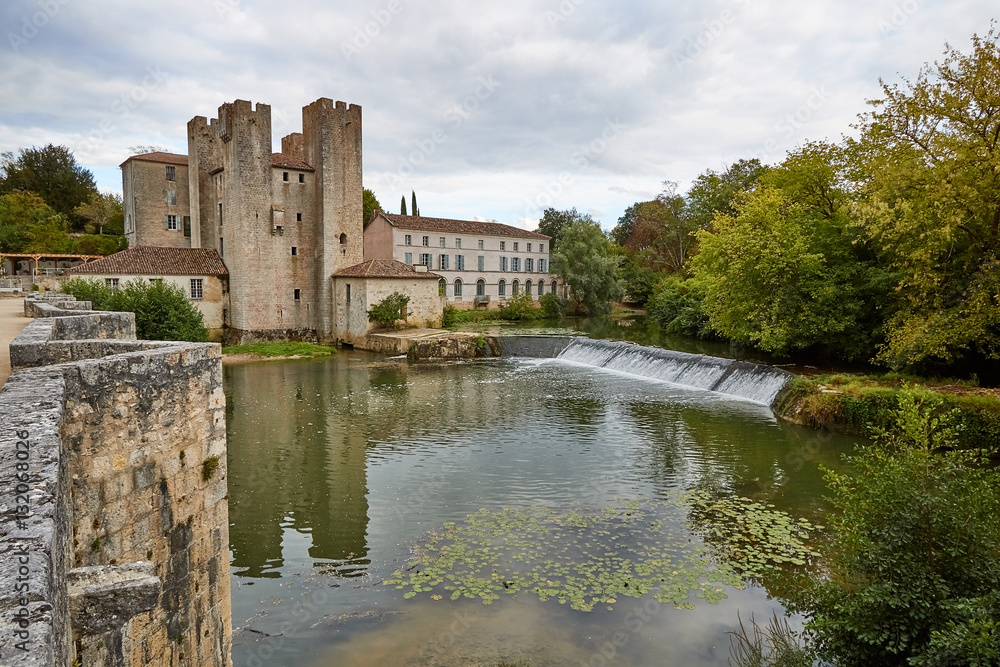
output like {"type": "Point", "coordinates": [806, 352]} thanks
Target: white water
{"type": "Point", "coordinates": [753, 382]}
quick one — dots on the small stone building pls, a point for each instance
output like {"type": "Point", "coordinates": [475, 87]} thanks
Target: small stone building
{"type": "Point", "coordinates": [199, 272]}
{"type": "Point", "coordinates": [357, 288]}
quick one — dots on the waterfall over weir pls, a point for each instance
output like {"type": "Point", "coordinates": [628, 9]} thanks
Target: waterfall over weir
{"type": "Point", "coordinates": [754, 382]}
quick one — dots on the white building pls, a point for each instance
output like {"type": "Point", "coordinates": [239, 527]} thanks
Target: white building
{"type": "Point", "coordinates": [480, 262]}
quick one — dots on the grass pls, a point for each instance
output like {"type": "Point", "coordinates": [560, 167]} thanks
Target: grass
{"type": "Point", "coordinates": [284, 349]}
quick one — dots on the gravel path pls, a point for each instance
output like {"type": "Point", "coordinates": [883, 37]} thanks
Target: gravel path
{"type": "Point", "coordinates": [12, 320]}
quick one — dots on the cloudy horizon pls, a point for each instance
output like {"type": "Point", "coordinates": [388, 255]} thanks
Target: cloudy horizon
{"type": "Point", "coordinates": [490, 111]}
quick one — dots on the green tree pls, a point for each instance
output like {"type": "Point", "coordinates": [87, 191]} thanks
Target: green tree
{"type": "Point", "coordinates": [402, 205]}
{"type": "Point", "coordinates": [930, 197]}
{"type": "Point", "coordinates": [915, 551]}
{"type": "Point", "coordinates": [28, 224]}
{"type": "Point", "coordinates": [369, 205]}
{"type": "Point", "coordinates": [553, 221]}
{"type": "Point", "coordinates": [621, 232]}
{"type": "Point", "coordinates": [162, 311]}
{"type": "Point", "coordinates": [662, 235]}
{"type": "Point", "coordinates": [416, 211]}
{"type": "Point", "coordinates": [713, 192]}
{"type": "Point", "coordinates": [51, 172]}
{"type": "Point", "coordinates": [100, 210]}
{"type": "Point", "coordinates": [389, 310]}
{"type": "Point", "coordinates": [587, 263]}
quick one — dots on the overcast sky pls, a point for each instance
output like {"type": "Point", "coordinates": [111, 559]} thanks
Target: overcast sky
{"type": "Point", "coordinates": [490, 110]}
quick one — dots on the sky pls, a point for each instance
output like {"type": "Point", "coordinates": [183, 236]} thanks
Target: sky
{"type": "Point", "coordinates": [487, 110]}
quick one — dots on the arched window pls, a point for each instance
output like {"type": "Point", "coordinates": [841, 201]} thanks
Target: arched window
{"type": "Point", "coordinates": [541, 287]}
{"type": "Point", "coordinates": [442, 286]}
{"type": "Point", "coordinates": [554, 287]}
{"type": "Point", "coordinates": [458, 287]}
{"type": "Point", "coordinates": [480, 287]}
{"type": "Point", "coordinates": [514, 287]}
{"type": "Point", "coordinates": [527, 287]}
{"type": "Point", "coordinates": [502, 288]}
{"type": "Point", "coordinates": [343, 239]}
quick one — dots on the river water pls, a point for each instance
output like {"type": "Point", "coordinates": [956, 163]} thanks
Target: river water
{"type": "Point", "coordinates": [339, 468]}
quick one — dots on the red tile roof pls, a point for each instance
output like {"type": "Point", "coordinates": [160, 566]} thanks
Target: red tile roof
{"type": "Point", "coordinates": [153, 261]}
{"type": "Point", "coordinates": [159, 156]}
{"type": "Point", "coordinates": [420, 223]}
{"type": "Point", "coordinates": [289, 162]}
{"type": "Point", "coordinates": [383, 268]}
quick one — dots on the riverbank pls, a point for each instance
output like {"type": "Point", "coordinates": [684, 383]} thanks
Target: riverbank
{"type": "Point", "coordinates": [274, 351]}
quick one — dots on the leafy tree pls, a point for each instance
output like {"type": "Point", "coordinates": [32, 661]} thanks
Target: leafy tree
{"type": "Point", "coordinates": [585, 260]}
{"type": "Point", "coordinates": [28, 224]}
{"type": "Point", "coordinates": [416, 211]}
{"type": "Point", "coordinates": [100, 210]}
{"type": "Point", "coordinates": [915, 562]}
{"type": "Point", "coordinates": [369, 204]}
{"type": "Point", "coordinates": [390, 309]}
{"type": "Point", "coordinates": [678, 306]}
{"type": "Point", "coordinates": [162, 310]}
{"type": "Point", "coordinates": [52, 173]}
{"type": "Point", "coordinates": [553, 221]}
{"type": "Point", "coordinates": [621, 232]}
{"type": "Point", "coordinates": [637, 280]}
{"type": "Point", "coordinates": [930, 197]}
{"type": "Point", "coordinates": [662, 234]}
{"type": "Point", "coordinates": [96, 244]}
{"type": "Point", "coordinates": [714, 192]}
{"type": "Point", "coordinates": [402, 205]}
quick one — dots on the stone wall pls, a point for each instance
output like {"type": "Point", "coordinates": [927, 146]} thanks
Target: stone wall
{"type": "Point", "coordinates": [125, 480]}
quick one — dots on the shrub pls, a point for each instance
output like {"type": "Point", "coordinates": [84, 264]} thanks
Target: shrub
{"type": "Point", "coordinates": [553, 305]}
{"type": "Point", "coordinates": [390, 309]}
{"type": "Point", "coordinates": [518, 307]}
{"type": "Point", "coordinates": [678, 307]}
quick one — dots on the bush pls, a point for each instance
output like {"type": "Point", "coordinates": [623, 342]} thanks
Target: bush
{"type": "Point", "coordinates": [914, 567]}
{"type": "Point", "coordinates": [162, 311]}
{"type": "Point", "coordinates": [553, 305]}
{"type": "Point", "coordinates": [518, 307]}
{"type": "Point", "coordinates": [677, 305]}
{"type": "Point", "coordinates": [390, 309]}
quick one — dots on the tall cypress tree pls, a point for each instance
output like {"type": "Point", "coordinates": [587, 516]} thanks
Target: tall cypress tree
{"type": "Point", "coordinates": [416, 211]}
{"type": "Point", "coordinates": [402, 205]}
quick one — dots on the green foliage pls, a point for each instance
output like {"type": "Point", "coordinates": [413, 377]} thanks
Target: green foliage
{"type": "Point", "coordinates": [553, 305]}
{"type": "Point", "coordinates": [102, 210]}
{"type": "Point", "coordinates": [28, 224]}
{"type": "Point", "coordinates": [662, 235]}
{"type": "Point", "coordinates": [416, 211]}
{"type": "Point", "coordinates": [715, 193]}
{"type": "Point", "coordinates": [281, 349]}
{"type": "Point", "coordinates": [914, 565]}
{"type": "Point", "coordinates": [621, 232]}
{"type": "Point", "coordinates": [929, 198]}
{"type": "Point", "coordinates": [94, 244]}
{"type": "Point", "coordinates": [774, 645]}
{"type": "Point", "coordinates": [162, 311]}
{"type": "Point", "coordinates": [390, 309]}
{"type": "Point", "coordinates": [52, 173]}
{"type": "Point", "coordinates": [208, 468]}
{"type": "Point", "coordinates": [553, 221]}
{"type": "Point", "coordinates": [585, 260]}
{"type": "Point", "coordinates": [518, 308]}
{"type": "Point", "coordinates": [402, 205]}
{"type": "Point", "coordinates": [678, 306]}
{"type": "Point", "coordinates": [369, 205]}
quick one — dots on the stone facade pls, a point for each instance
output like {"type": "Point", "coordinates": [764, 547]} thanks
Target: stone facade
{"type": "Point", "coordinates": [126, 474]}
{"type": "Point", "coordinates": [156, 193]}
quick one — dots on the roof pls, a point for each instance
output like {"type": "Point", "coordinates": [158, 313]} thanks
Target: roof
{"type": "Point", "coordinates": [153, 261]}
{"type": "Point", "coordinates": [383, 268]}
{"type": "Point", "coordinates": [289, 162]}
{"type": "Point", "coordinates": [420, 223]}
{"type": "Point", "coordinates": [160, 156]}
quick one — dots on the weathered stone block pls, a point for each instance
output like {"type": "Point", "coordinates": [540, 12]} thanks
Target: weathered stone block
{"type": "Point", "coordinates": [104, 598]}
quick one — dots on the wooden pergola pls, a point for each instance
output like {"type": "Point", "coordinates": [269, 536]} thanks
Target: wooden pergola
{"type": "Point", "coordinates": [35, 257]}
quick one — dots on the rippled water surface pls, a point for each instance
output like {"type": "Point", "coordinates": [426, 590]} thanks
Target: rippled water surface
{"type": "Point", "coordinates": [338, 468]}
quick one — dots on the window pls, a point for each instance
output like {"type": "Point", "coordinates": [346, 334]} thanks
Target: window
{"type": "Point", "coordinates": [171, 197]}
{"type": "Point", "coordinates": [128, 222]}
{"type": "Point", "coordinates": [302, 178]}
{"type": "Point", "coordinates": [460, 262]}
{"type": "Point", "coordinates": [343, 239]}
{"type": "Point", "coordinates": [408, 259]}
{"type": "Point", "coordinates": [284, 176]}
{"type": "Point", "coordinates": [171, 173]}
{"type": "Point", "coordinates": [458, 242]}
{"type": "Point", "coordinates": [295, 250]}
{"type": "Point", "coordinates": [503, 245]}
{"type": "Point", "coordinates": [187, 226]}
{"type": "Point", "coordinates": [348, 293]}
{"type": "Point", "coordinates": [298, 217]}
{"type": "Point", "coordinates": [502, 288]}
{"type": "Point", "coordinates": [458, 287]}
{"type": "Point", "coordinates": [407, 240]}
{"type": "Point", "coordinates": [554, 286]}
{"type": "Point", "coordinates": [527, 287]}
{"type": "Point", "coordinates": [425, 259]}
{"type": "Point", "coordinates": [298, 294]}
{"type": "Point", "coordinates": [480, 287]}
{"type": "Point", "coordinates": [503, 263]}
{"type": "Point", "coordinates": [515, 264]}
{"type": "Point", "coordinates": [480, 244]}
{"type": "Point", "coordinates": [442, 287]}
{"type": "Point", "coordinates": [541, 266]}
{"type": "Point", "coordinates": [541, 287]}
{"type": "Point", "coordinates": [112, 283]}
{"type": "Point", "coordinates": [541, 247]}
{"type": "Point", "coordinates": [441, 242]}
{"type": "Point", "coordinates": [425, 241]}
{"type": "Point", "coordinates": [481, 264]}
{"type": "Point", "coordinates": [529, 247]}
{"type": "Point", "coordinates": [153, 281]}
{"type": "Point", "coordinates": [172, 223]}
{"type": "Point", "coordinates": [529, 265]}
{"type": "Point", "coordinates": [515, 246]}
{"type": "Point", "coordinates": [196, 288]}
{"type": "Point", "coordinates": [514, 287]}
{"type": "Point", "coordinates": [220, 214]}
{"type": "Point", "coordinates": [222, 252]}
{"type": "Point", "coordinates": [443, 262]}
